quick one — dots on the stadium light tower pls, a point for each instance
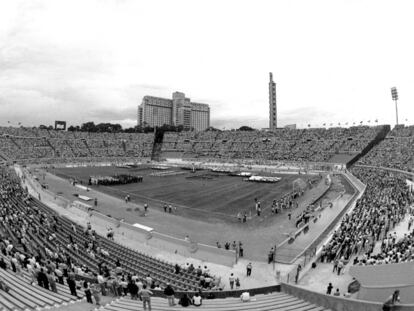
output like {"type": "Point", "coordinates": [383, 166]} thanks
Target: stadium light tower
{"type": "Point", "coordinates": [394, 95]}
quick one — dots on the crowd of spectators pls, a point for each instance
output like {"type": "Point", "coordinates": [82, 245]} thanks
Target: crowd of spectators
{"type": "Point", "coordinates": [395, 151]}
{"type": "Point", "coordinates": [43, 244]}
{"type": "Point", "coordinates": [315, 145]}
{"type": "Point", "coordinates": [384, 204]}
{"type": "Point", "coordinates": [42, 145]}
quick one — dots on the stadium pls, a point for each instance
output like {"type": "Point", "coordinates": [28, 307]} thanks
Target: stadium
{"type": "Point", "coordinates": [195, 204]}
{"type": "Point", "coordinates": [243, 197]}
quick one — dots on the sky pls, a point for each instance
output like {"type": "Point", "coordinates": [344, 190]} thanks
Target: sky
{"type": "Point", "coordinates": [88, 60]}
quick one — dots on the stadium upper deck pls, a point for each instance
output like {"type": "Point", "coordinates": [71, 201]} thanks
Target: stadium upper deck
{"type": "Point", "coordinates": [313, 145]}
{"type": "Point", "coordinates": [395, 151]}
{"type": "Point", "coordinates": [27, 144]}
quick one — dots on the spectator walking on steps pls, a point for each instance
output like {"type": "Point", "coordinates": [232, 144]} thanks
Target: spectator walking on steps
{"type": "Point", "coordinates": [87, 291]}
{"type": "Point", "coordinates": [391, 301]}
{"type": "Point", "coordinates": [249, 269]}
{"type": "Point", "coordinates": [329, 289]}
{"type": "Point", "coordinates": [145, 295]}
{"type": "Point", "coordinates": [169, 293]}
{"type": "Point", "coordinates": [96, 293]}
{"type": "Point", "coordinates": [298, 273]}
{"type": "Point", "coordinates": [231, 281]}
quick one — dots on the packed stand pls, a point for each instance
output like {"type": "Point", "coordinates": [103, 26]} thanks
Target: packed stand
{"type": "Point", "coordinates": [30, 227]}
{"type": "Point", "coordinates": [383, 205]}
{"type": "Point", "coordinates": [43, 145]}
{"type": "Point", "coordinates": [315, 145]}
{"type": "Point", "coordinates": [395, 151]}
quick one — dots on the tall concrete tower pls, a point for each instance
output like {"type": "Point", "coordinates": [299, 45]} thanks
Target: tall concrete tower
{"type": "Point", "coordinates": [272, 104]}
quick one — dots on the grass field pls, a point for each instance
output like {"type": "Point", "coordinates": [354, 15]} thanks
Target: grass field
{"type": "Point", "coordinates": [202, 195]}
{"type": "Point", "coordinates": [205, 206]}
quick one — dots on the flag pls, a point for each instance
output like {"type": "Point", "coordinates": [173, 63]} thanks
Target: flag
{"type": "Point", "coordinates": [324, 124]}
{"type": "Point", "coordinates": [353, 123]}
{"type": "Point", "coordinates": [339, 123]}
{"type": "Point", "coordinates": [309, 125]}
{"type": "Point", "coordinates": [346, 123]}
{"type": "Point", "coordinates": [369, 121]}
{"type": "Point", "coordinates": [376, 120]}
{"type": "Point", "coordinates": [331, 124]}
{"type": "Point", "coordinates": [361, 122]}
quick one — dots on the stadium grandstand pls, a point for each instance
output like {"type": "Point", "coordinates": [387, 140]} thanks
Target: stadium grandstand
{"type": "Point", "coordinates": [59, 252]}
{"type": "Point", "coordinates": [395, 151]}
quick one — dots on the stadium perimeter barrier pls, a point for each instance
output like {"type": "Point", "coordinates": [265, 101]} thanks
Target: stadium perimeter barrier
{"type": "Point", "coordinates": [410, 175]}
{"type": "Point", "coordinates": [313, 251]}
{"type": "Point", "coordinates": [277, 166]}
{"type": "Point", "coordinates": [225, 293]}
{"type": "Point", "coordinates": [171, 244]}
{"type": "Point", "coordinates": [155, 239]}
{"type": "Point", "coordinates": [307, 252]}
{"type": "Point", "coordinates": [339, 303]}
{"type": "Point", "coordinates": [377, 282]}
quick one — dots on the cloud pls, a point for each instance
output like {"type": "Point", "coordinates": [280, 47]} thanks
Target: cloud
{"type": "Point", "coordinates": [94, 60]}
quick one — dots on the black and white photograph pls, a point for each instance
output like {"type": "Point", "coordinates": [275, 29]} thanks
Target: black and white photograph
{"type": "Point", "coordinates": [212, 155]}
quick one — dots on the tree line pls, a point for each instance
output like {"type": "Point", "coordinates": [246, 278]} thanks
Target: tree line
{"type": "Point", "coordinates": [117, 128]}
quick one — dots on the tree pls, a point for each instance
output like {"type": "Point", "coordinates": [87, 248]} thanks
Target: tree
{"type": "Point", "coordinates": [245, 128]}
{"type": "Point", "coordinates": [148, 129]}
{"type": "Point", "coordinates": [213, 129]}
{"type": "Point", "coordinates": [108, 128]}
{"type": "Point", "coordinates": [88, 127]}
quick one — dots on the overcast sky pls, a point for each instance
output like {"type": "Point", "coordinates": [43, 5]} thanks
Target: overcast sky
{"type": "Point", "coordinates": [333, 61]}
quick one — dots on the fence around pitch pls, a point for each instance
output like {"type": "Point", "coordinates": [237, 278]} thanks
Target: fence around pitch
{"type": "Point", "coordinates": [312, 252]}
{"type": "Point", "coordinates": [155, 239]}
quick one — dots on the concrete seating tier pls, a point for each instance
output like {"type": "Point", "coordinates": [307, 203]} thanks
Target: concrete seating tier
{"type": "Point", "coordinates": [23, 295]}
{"type": "Point", "coordinates": [274, 301]}
{"type": "Point", "coordinates": [131, 260]}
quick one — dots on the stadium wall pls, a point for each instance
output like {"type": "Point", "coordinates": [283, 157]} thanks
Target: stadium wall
{"type": "Point", "coordinates": [378, 282]}
{"type": "Point", "coordinates": [300, 230]}
{"type": "Point", "coordinates": [338, 303]}
{"type": "Point", "coordinates": [410, 175]}
{"type": "Point", "coordinates": [262, 165]}
{"type": "Point", "coordinates": [326, 236]}
{"type": "Point", "coordinates": [154, 239]}
{"type": "Point", "coordinates": [168, 243]}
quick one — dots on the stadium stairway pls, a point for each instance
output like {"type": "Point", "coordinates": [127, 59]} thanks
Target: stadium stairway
{"type": "Point", "coordinates": [270, 302]}
{"type": "Point", "coordinates": [25, 296]}
{"type": "Point", "coordinates": [132, 261]}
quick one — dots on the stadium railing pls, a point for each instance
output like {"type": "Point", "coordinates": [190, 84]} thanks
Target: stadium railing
{"type": "Point", "coordinates": [313, 251]}
{"type": "Point", "coordinates": [378, 281]}
{"type": "Point", "coordinates": [162, 241]}
{"type": "Point", "coordinates": [334, 302]}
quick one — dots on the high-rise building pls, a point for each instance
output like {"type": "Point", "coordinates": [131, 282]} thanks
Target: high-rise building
{"type": "Point", "coordinates": [156, 111]}
{"type": "Point", "coordinates": [272, 104]}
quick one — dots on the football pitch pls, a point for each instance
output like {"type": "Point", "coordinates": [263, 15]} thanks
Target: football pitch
{"type": "Point", "coordinates": [202, 195]}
